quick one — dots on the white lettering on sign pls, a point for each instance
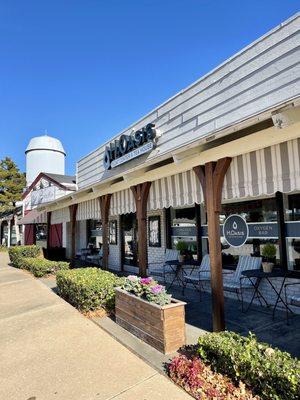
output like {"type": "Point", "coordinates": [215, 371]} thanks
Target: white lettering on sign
{"type": "Point", "coordinates": [133, 154]}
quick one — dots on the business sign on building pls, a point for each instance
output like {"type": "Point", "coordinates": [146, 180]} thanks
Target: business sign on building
{"type": "Point", "coordinates": [235, 230]}
{"type": "Point", "coordinates": [128, 147]}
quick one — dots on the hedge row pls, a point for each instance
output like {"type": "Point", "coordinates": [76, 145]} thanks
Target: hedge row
{"type": "Point", "coordinates": [40, 266]}
{"type": "Point", "coordinates": [88, 289]}
{"type": "Point", "coordinates": [18, 253]}
{"type": "Point", "coordinates": [269, 373]}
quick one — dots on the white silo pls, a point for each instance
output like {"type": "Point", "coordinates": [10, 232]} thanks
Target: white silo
{"type": "Point", "coordinates": [44, 154]}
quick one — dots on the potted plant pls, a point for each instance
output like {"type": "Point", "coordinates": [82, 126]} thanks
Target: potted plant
{"type": "Point", "coordinates": [269, 254]}
{"type": "Point", "coordinates": [145, 309]}
{"type": "Point", "coordinates": [181, 247]}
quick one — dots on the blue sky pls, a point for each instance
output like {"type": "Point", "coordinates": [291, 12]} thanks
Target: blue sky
{"type": "Point", "coordinates": [84, 70]}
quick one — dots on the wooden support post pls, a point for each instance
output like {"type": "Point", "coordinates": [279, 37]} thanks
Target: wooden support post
{"type": "Point", "coordinates": [73, 212]}
{"type": "Point", "coordinates": [104, 207]}
{"type": "Point", "coordinates": [211, 178]}
{"type": "Point", "coordinates": [141, 193]}
{"type": "Point", "coordinates": [48, 229]}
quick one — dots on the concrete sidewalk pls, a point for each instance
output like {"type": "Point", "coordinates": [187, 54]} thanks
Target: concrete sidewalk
{"type": "Point", "coordinates": [50, 351]}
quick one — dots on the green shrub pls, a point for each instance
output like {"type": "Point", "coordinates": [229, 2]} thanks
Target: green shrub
{"type": "Point", "coordinates": [3, 249]}
{"type": "Point", "coordinates": [269, 373]}
{"type": "Point", "coordinates": [17, 253]}
{"type": "Point", "coordinates": [88, 289]}
{"type": "Point", "coordinates": [40, 266]}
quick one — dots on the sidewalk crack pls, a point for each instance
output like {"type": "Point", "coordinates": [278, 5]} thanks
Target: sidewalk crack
{"type": "Point", "coordinates": [132, 386]}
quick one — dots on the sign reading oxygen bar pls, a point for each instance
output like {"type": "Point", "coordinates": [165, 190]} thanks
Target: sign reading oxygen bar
{"type": "Point", "coordinates": [129, 147]}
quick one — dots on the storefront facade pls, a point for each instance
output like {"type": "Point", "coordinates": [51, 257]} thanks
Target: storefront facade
{"type": "Point", "coordinates": [37, 227]}
{"type": "Point", "coordinates": [228, 144]}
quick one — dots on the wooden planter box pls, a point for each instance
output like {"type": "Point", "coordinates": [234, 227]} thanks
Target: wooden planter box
{"type": "Point", "coordinates": [162, 327]}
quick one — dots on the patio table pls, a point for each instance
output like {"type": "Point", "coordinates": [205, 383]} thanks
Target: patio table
{"type": "Point", "coordinates": [178, 268]}
{"type": "Point", "coordinates": [256, 276]}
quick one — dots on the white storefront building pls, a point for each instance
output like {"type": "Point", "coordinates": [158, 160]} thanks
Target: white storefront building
{"type": "Point", "coordinates": [246, 110]}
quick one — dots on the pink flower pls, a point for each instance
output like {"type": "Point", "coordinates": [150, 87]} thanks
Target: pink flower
{"type": "Point", "coordinates": [146, 281]}
{"type": "Point", "coordinates": [157, 289]}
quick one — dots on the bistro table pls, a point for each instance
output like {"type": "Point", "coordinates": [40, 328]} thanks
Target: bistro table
{"type": "Point", "coordinates": [255, 276]}
{"type": "Point", "coordinates": [178, 268]}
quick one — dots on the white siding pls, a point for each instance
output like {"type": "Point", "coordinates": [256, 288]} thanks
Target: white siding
{"type": "Point", "coordinates": [262, 76]}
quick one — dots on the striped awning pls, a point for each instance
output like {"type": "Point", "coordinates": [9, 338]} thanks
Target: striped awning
{"type": "Point", "coordinates": [176, 190]}
{"type": "Point", "coordinates": [60, 216]}
{"type": "Point", "coordinates": [122, 202]}
{"type": "Point", "coordinates": [258, 173]}
{"type": "Point", "coordinates": [89, 209]}
{"type": "Point", "coordinates": [264, 172]}
{"type": "Point", "coordinates": [33, 217]}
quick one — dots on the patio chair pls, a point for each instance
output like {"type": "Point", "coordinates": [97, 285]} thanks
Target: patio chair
{"type": "Point", "coordinates": [236, 282]}
{"type": "Point", "coordinates": [198, 275]}
{"type": "Point", "coordinates": [290, 297]}
{"type": "Point", "coordinates": [96, 258]}
{"type": "Point", "coordinates": [161, 269]}
{"type": "Point", "coordinates": [83, 254]}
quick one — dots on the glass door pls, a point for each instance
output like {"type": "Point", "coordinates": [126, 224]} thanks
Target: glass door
{"type": "Point", "coordinates": [129, 239]}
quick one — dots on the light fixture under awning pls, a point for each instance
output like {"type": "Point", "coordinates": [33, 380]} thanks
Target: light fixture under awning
{"type": "Point", "coordinates": [33, 217]}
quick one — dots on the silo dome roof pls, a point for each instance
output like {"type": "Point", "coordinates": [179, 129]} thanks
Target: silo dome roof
{"type": "Point", "coordinates": [45, 143]}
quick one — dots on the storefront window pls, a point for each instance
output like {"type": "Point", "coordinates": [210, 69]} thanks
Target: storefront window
{"type": "Point", "coordinates": [95, 233]}
{"type": "Point", "coordinates": [292, 227]}
{"type": "Point", "coordinates": [129, 239]}
{"type": "Point", "coordinates": [293, 208]}
{"type": "Point", "coordinates": [41, 235]}
{"type": "Point", "coordinates": [261, 215]}
{"type": "Point", "coordinates": [293, 253]}
{"type": "Point", "coordinates": [184, 229]}
{"type": "Point", "coordinates": [253, 211]}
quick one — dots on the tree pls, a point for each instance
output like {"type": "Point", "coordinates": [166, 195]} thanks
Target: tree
{"type": "Point", "coordinates": [12, 183]}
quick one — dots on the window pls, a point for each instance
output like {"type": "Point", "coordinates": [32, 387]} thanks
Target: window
{"type": "Point", "coordinates": [154, 233]}
{"type": "Point", "coordinates": [184, 229]}
{"type": "Point", "coordinates": [258, 213]}
{"type": "Point", "coordinates": [293, 208]}
{"type": "Point", "coordinates": [253, 211]}
{"type": "Point", "coordinates": [95, 233]}
{"type": "Point", "coordinates": [41, 235]}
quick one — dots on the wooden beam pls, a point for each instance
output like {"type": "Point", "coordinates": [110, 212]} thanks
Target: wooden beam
{"type": "Point", "coordinates": [141, 193]}
{"type": "Point", "coordinates": [200, 173]}
{"type": "Point", "coordinates": [73, 212]}
{"type": "Point", "coordinates": [220, 170]}
{"type": "Point", "coordinates": [104, 207]}
{"type": "Point", "coordinates": [211, 179]}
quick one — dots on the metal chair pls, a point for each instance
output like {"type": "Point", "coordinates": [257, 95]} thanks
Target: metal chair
{"type": "Point", "coordinates": [291, 298]}
{"type": "Point", "coordinates": [198, 275]}
{"type": "Point", "coordinates": [161, 269]}
{"type": "Point", "coordinates": [236, 282]}
{"type": "Point", "coordinates": [84, 253]}
{"type": "Point", "coordinates": [96, 258]}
